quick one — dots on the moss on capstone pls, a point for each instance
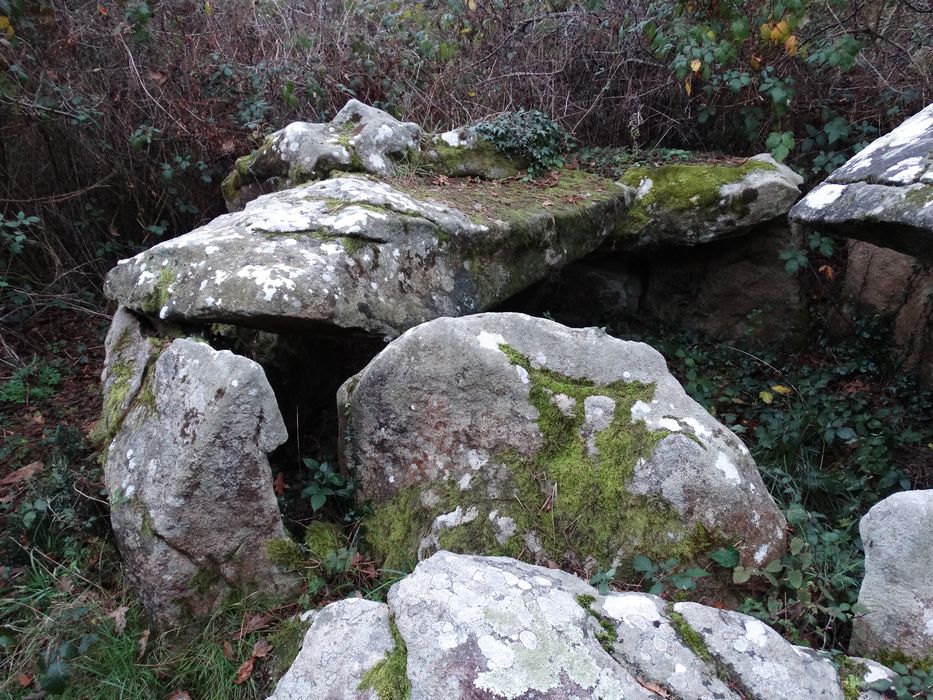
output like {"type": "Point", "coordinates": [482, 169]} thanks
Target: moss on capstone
{"type": "Point", "coordinates": [479, 160]}
{"type": "Point", "coordinates": [682, 190]}
{"type": "Point", "coordinates": [154, 302]}
{"type": "Point", "coordinates": [852, 674]}
{"type": "Point", "coordinates": [389, 678]}
{"type": "Point", "coordinates": [574, 504]}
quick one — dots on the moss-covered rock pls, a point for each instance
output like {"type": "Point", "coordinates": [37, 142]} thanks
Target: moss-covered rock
{"type": "Point", "coordinates": [502, 434]}
{"type": "Point", "coordinates": [685, 204]}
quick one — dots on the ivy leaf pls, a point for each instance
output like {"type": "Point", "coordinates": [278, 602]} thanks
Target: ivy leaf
{"type": "Point", "coordinates": [727, 557]}
{"type": "Point", "coordinates": [741, 575]}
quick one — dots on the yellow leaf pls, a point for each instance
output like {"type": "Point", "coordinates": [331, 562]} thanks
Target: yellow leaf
{"type": "Point", "coordinates": [791, 45]}
{"type": "Point", "coordinates": [688, 85]}
{"type": "Point", "coordinates": [5, 26]}
{"type": "Point", "coordinates": [208, 10]}
{"type": "Point", "coordinates": [471, 4]}
{"type": "Point", "coordinates": [766, 397]}
{"type": "Point", "coordinates": [695, 65]}
{"type": "Point", "coordinates": [782, 390]}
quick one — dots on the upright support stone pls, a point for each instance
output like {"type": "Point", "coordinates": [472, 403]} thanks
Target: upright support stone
{"type": "Point", "coordinates": [192, 505]}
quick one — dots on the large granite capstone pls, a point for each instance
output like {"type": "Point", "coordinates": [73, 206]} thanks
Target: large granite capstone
{"type": "Point", "coordinates": [357, 253]}
{"type": "Point", "coordinates": [884, 195]}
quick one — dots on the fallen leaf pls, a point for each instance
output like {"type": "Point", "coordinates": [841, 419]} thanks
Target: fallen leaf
{"type": "Point", "coordinates": [143, 643]}
{"type": "Point", "coordinates": [179, 695]}
{"type": "Point", "coordinates": [766, 397]}
{"type": "Point", "coordinates": [827, 272]}
{"type": "Point", "coordinates": [261, 648]}
{"type": "Point", "coordinates": [227, 146]}
{"type": "Point", "coordinates": [159, 77]}
{"type": "Point", "coordinates": [65, 584]}
{"type": "Point", "coordinates": [24, 680]}
{"type": "Point", "coordinates": [278, 486]}
{"type": "Point", "coordinates": [22, 474]}
{"type": "Point", "coordinates": [695, 65]}
{"type": "Point", "coordinates": [119, 619]}
{"type": "Point", "coordinates": [228, 651]}
{"type": "Point", "coordinates": [244, 671]}
{"type": "Point", "coordinates": [253, 623]}
{"type": "Point", "coordinates": [547, 203]}
{"type": "Point", "coordinates": [782, 390]}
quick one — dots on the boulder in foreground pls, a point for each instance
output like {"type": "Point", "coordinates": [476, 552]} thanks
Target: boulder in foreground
{"type": "Point", "coordinates": [482, 627]}
{"type": "Point", "coordinates": [500, 433]}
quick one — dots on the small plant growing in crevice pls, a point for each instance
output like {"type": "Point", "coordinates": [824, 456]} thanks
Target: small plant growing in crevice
{"type": "Point", "coordinates": [608, 634]}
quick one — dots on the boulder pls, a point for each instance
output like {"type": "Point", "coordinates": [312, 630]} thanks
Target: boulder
{"type": "Point", "coordinates": [732, 290]}
{"type": "Point", "coordinates": [465, 153]}
{"type": "Point", "coordinates": [507, 434]}
{"type": "Point", "coordinates": [899, 287]}
{"type": "Point", "coordinates": [883, 195]}
{"type": "Point", "coordinates": [897, 590]}
{"type": "Point", "coordinates": [687, 204]}
{"type": "Point", "coordinates": [355, 253]}
{"type": "Point", "coordinates": [192, 505]}
{"type": "Point", "coordinates": [359, 139]}
{"type": "Point", "coordinates": [478, 627]}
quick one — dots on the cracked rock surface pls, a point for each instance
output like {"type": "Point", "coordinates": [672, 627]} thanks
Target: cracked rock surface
{"type": "Point", "coordinates": [884, 194]}
{"type": "Point", "coordinates": [192, 505]}
{"type": "Point", "coordinates": [491, 627]}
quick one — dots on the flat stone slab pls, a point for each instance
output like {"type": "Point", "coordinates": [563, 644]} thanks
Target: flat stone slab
{"type": "Point", "coordinates": [884, 195]}
{"type": "Point", "coordinates": [357, 253]}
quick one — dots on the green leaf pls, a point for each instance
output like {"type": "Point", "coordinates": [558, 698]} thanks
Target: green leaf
{"type": "Point", "coordinates": [740, 574]}
{"type": "Point", "coordinates": [643, 564]}
{"type": "Point", "coordinates": [317, 501]}
{"type": "Point", "coordinates": [795, 578]}
{"type": "Point", "coordinates": [727, 557]}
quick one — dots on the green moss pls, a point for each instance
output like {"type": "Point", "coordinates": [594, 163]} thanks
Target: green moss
{"type": "Point", "coordinates": [160, 294]}
{"type": "Point", "coordinates": [851, 675]}
{"type": "Point", "coordinates": [608, 635]}
{"type": "Point", "coordinates": [322, 539]}
{"type": "Point", "coordinates": [230, 187]}
{"type": "Point", "coordinates": [120, 374]}
{"type": "Point", "coordinates": [575, 504]}
{"type": "Point", "coordinates": [482, 160]}
{"type": "Point", "coordinates": [690, 637]}
{"type": "Point", "coordinates": [285, 553]}
{"type": "Point", "coordinates": [389, 678]}
{"type": "Point", "coordinates": [681, 191]}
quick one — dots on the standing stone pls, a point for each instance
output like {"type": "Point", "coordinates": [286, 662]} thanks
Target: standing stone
{"type": "Point", "coordinates": [899, 287]}
{"type": "Point", "coordinates": [192, 505]}
{"type": "Point", "coordinates": [505, 434]}
{"type": "Point", "coordinates": [898, 586]}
